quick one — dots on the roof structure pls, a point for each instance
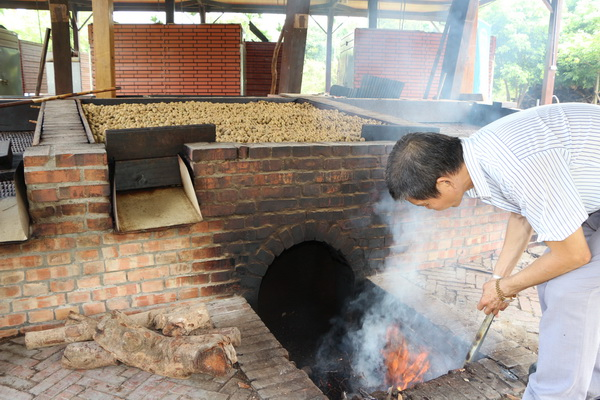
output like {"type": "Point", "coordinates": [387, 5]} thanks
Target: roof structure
{"type": "Point", "coordinates": [428, 10]}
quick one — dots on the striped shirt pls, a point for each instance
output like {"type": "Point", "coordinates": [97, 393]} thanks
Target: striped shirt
{"type": "Point", "coordinates": [542, 163]}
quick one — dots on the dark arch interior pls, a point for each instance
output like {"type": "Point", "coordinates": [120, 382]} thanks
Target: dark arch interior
{"type": "Point", "coordinates": [303, 289]}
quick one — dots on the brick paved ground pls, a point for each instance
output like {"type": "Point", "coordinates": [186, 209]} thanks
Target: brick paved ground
{"type": "Point", "coordinates": [451, 293]}
{"type": "Point", "coordinates": [264, 371]}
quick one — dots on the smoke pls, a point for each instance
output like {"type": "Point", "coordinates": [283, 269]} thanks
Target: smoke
{"type": "Point", "coordinates": [359, 334]}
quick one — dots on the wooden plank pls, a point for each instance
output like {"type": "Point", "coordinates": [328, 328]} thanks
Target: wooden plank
{"type": "Point", "coordinates": [294, 44]}
{"type": "Point", "coordinates": [461, 18]}
{"type": "Point", "coordinates": [148, 173]}
{"type": "Point", "coordinates": [163, 141]}
{"type": "Point", "coordinates": [37, 133]}
{"type": "Point", "coordinates": [86, 125]}
{"type": "Point", "coordinates": [104, 49]}
{"type": "Point", "coordinates": [61, 46]}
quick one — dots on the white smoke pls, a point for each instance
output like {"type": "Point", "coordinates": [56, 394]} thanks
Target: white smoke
{"type": "Point", "coordinates": [364, 339]}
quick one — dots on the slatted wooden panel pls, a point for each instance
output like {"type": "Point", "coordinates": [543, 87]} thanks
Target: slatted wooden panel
{"type": "Point", "coordinates": [30, 61]}
{"type": "Point", "coordinates": [62, 124]}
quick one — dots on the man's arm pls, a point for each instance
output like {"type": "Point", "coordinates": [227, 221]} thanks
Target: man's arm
{"type": "Point", "coordinates": [564, 256]}
{"type": "Point", "coordinates": [517, 237]}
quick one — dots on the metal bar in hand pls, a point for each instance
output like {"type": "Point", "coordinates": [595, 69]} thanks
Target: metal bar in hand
{"type": "Point", "coordinates": [479, 337]}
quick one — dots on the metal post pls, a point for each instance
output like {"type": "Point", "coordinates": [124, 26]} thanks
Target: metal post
{"type": "Point", "coordinates": [551, 52]}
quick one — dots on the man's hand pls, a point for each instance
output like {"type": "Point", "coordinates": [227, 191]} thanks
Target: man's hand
{"type": "Point", "coordinates": [490, 302]}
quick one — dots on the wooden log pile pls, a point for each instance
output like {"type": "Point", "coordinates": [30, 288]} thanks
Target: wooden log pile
{"type": "Point", "coordinates": [175, 342]}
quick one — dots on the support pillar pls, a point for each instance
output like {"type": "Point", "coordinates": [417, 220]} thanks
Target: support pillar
{"type": "Point", "coordinates": [373, 8]}
{"type": "Point", "coordinates": [294, 45]}
{"type": "Point", "coordinates": [462, 18]}
{"type": "Point", "coordinates": [61, 46]}
{"type": "Point", "coordinates": [551, 52]}
{"type": "Point", "coordinates": [329, 49]}
{"type": "Point", "coordinates": [104, 48]}
{"type": "Point", "coordinates": [170, 11]}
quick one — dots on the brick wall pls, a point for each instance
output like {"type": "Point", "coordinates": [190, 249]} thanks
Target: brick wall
{"type": "Point", "coordinates": [257, 200]}
{"type": "Point", "coordinates": [406, 56]}
{"type": "Point", "coordinates": [177, 59]}
{"type": "Point", "coordinates": [259, 56]}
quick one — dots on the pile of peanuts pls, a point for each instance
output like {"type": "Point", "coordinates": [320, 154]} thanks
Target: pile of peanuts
{"type": "Point", "coordinates": [251, 122]}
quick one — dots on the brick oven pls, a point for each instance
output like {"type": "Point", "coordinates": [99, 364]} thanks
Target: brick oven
{"type": "Point", "coordinates": [296, 225]}
{"type": "Point", "coordinates": [257, 200]}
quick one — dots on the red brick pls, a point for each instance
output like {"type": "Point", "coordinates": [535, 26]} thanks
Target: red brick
{"type": "Point", "coordinates": [21, 262]}
{"type": "Point", "coordinates": [12, 320]}
{"type": "Point", "coordinates": [7, 278]}
{"type": "Point", "coordinates": [152, 299]}
{"type": "Point", "coordinates": [38, 302]}
{"type": "Point", "coordinates": [165, 245]}
{"type": "Point", "coordinates": [115, 291]}
{"type": "Point", "coordinates": [99, 224]}
{"type": "Point", "coordinates": [129, 249]}
{"type": "Point", "coordinates": [94, 308]}
{"type": "Point", "coordinates": [93, 267]}
{"type": "Point", "coordinates": [62, 286]}
{"type": "Point", "coordinates": [118, 304]}
{"type": "Point", "coordinates": [9, 291]}
{"type": "Point", "coordinates": [114, 278]}
{"type": "Point", "coordinates": [36, 289]}
{"type": "Point", "coordinates": [147, 273]}
{"type": "Point", "coordinates": [110, 252]}
{"type": "Point", "coordinates": [187, 281]}
{"type": "Point", "coordinates": [152, 286]}
{"type": "Point", "coordinates": [129, 263]}
{"type": "Point", "coordinates": [79, 297]}
{"type": "Point", "coordinates": [52, 176]}
{"type": "Point", "coordinates": [59, 258]}
{"type": "Point", "coordinates": [63, 312]}
{"type": "Point", "coordinates": [40, 316]}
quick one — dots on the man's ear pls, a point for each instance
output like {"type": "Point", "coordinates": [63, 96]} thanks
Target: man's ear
{"type": "Point", "coordinates": [444, 181]}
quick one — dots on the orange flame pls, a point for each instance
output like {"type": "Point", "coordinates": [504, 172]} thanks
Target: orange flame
{"type": "Point", "coordinates": [403, 369]}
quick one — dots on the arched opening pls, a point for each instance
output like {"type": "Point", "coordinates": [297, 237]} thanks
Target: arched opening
{"type": "Point", "coordinates": [303, 289]}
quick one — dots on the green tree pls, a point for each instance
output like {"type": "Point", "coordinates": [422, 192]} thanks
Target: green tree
{"type": "Point", "coordinates": [579, 51]}
{"type": "Point", "coordinates": [521, 30]}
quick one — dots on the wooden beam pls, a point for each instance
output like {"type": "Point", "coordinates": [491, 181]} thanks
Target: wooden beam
{"type": "Point", "coordinates": [373, 8]}
{"type": "Point", "coordinates": [551, 52]}
{"type": "Point", "coordinates": [329, 49]}
{"type": "Point", "coordinates": [104, 49]}
{"type": "Point", "coordinates": [75, 28]}
{"type": "Point", "coordinates": [469, 53]}
{"type": "Point", "coordinates": [61, 46]}
{"type": "Point", "coordinates": [40, 78]}
{"type": "Point", "coordinates": [170, 11]}
{"type": "Point", "coordinates": [294, 45]}
{"type": "Point", "coordinates": [462, 19]}
{"type": "Point", "coordinates": [548, 4]}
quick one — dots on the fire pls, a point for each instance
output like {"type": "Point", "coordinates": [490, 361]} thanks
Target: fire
{"type": "Point", "coordinates": [403, 369]}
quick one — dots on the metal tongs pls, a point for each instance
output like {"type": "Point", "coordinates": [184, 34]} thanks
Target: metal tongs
{"type": "Point", "coordinates": [481, 333]}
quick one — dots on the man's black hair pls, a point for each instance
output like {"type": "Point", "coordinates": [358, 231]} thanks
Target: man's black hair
{"type": "Point", "coordinates": [418, 160]}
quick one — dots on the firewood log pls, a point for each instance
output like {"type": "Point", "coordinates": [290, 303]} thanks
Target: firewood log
{"type": "Point", "coordinates": [69, 333]}
{"type": "Point", "coordinates": [87, 355]}
{"type": "Point", "coordinates": [173, 321]}
{"type": "Point", "coordinates": [176, 357]}
{"type": "Point", "coordinates": [90, 355]}
{"type": "Point", "coordinates": [232, 333]}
